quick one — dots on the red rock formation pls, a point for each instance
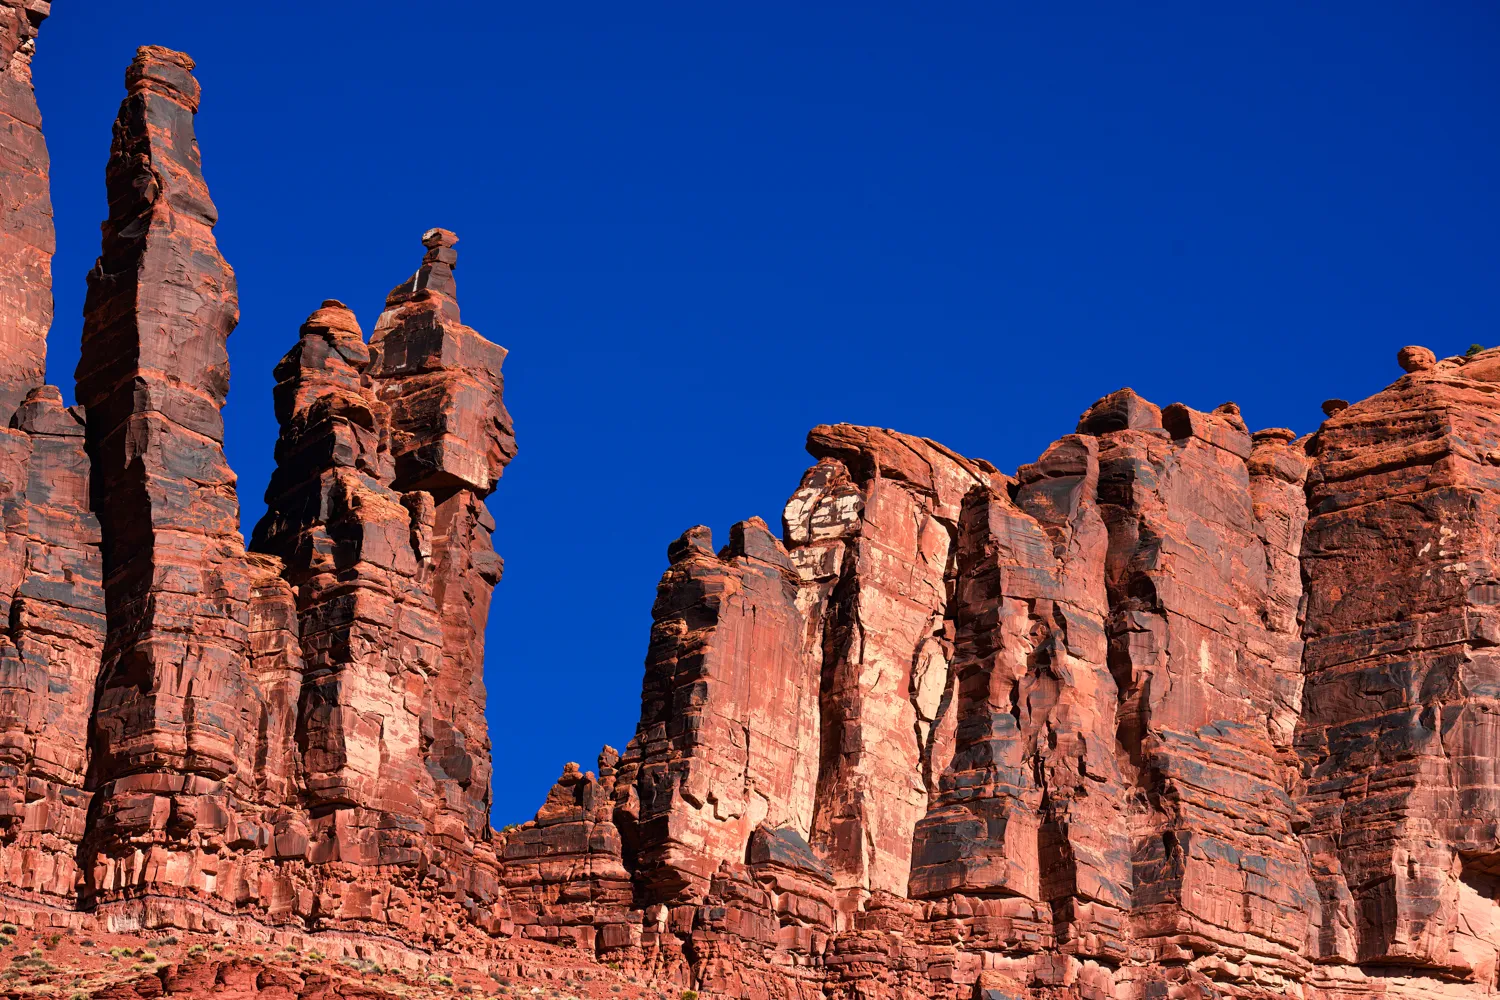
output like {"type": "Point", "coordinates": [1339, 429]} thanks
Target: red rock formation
{"type": "Point", "coordinates": [176, 707]}
{"type": "Point", "coordinates": [451, 439]}
{"type": "Point", "coordinates": [376, 512]}
{"type": "Point", "coordinates": [564, 870]}
{"type": "Point", "coordinates": [871, 532]}
{"type": "Point", "coordinates": [27, 242]}
{"type": "Point", "coordinates": [1400, 731]}
{"type": "Point", "coordinates": [1177, 711]}
{"type": "Point", "coordinates": [728, 727]}
{"type": "Point", "coordinates": [1032, 806]}
{"type": "Point", "coordinates": [53, 604]}
{"type": "Point", "coordinates": [1194, 647]}
{"type": "Point", "coordinates": [1093, 675]}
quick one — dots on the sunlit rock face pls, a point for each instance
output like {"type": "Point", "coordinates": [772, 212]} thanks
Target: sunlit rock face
{"type": "Point", "coordinates": [1175, 711]}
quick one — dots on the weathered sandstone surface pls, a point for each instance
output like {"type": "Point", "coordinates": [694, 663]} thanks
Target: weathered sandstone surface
{"type": "Point", "coordinates": [1176, 711]}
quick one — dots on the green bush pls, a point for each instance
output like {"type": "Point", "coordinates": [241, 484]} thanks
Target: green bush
{"type": "Point", "coordinates": [8, 929]}
{"type": "Point", "coordinates": [689, 995]}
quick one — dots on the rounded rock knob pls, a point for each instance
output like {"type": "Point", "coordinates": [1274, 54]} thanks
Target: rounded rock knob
{"type": "Point", "coordinates": [1415, 359]}
{"type": "Point", "coordinates": [1332, 406]}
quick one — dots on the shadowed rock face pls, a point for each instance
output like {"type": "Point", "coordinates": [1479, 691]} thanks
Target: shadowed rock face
{"type": "Point", "coordinates": [1177, 711]}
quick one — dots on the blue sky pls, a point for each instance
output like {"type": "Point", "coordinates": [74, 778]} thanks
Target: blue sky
{"type": "Point", "coordinates": [702, 229]}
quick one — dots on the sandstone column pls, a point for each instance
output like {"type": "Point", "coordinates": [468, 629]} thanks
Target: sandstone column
{"type": "Point", "coordinates": [27, 240]}
{"type": "Point", "coordinates": [376, 509]}
{"type": "Point", "coordinates": [176, 715]}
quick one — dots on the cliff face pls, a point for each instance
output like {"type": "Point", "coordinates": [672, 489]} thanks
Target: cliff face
{"type": "Point", "coordinates": [1177, 710]}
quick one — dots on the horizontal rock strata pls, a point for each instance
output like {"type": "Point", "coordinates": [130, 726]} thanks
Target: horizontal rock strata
{"type": "Point", "coordinates": [1175, 711]}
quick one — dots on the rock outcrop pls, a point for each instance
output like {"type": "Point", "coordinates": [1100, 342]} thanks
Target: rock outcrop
{"type": "Point", "coordinates": [51, 601]}
{"type": "Point", "coordinates": [175, 712]}
{"type": "Point", "coordinates": [197, 735]}
{"type": "Point", "coordinates": [27, 240]}
{"type": "Point", "coordinates": [1400, 729]}
{"type": "Point", "coordinates": [1176, 711]}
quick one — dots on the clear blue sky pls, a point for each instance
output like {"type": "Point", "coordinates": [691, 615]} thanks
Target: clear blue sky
{"type": "Point", "coordinates": [701, 229]}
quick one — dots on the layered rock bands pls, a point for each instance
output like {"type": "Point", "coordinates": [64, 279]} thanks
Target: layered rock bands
{"type": "Point", "coordinates": [193, 734]}
{"type": "Point", "coordinates": [1176, 711]}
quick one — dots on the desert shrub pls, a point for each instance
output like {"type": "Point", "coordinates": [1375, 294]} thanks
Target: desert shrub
{"type": "Point", "coordinates": [689, 995]}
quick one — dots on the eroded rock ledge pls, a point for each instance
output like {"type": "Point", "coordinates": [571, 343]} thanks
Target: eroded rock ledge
{"type": "Point", "coordinates": [1177, 710]}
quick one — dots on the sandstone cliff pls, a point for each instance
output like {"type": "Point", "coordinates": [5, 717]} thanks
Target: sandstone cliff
{"type": "Point", "coordinates": [1177, 710]}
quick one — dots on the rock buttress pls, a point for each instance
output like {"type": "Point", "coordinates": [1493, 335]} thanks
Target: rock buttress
{"type": "Point", "coordinates": [728, 715]}
{"type": "Point", "coordinates": [871, 532]}
{"type": "Point", "coordinates": [51, 600]}
{"type": "Point", "coordinates": [1032, 806]}
{"type": "Point", "coordinates": [52, 604]}
{"type": "Point", "coordinates": [564, 869]}
{"type": "Point", "coordinates": [1200, 643]}
{"type": "Point", "coordinates": [1400, 729]}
